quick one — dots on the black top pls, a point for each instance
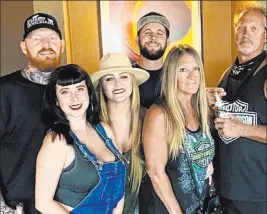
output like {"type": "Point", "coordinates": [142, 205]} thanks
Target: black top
{"type": "Point", "coordinates": [243, 161]}
{"type": "Point", "coordinates": [200, 149]}
{"type": "Point", "coordinates": [77, 180]}
{"type": "Point", "coordinates": [150, 90]}
{"type": "Point", "coordinates": [21, 136]}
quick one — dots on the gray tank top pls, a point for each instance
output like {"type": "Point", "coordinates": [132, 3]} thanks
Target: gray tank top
{"type": "Point", "coordinates": [76, 180]}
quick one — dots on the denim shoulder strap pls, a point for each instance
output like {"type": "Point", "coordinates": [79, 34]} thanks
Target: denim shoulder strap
{"type": "Point", "coordinates": [102, 133]}
{"type": "Point", "coordinates": [83, 148]}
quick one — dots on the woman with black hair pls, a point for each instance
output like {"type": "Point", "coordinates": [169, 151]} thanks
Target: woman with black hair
{"type": "Point", "coordinates": [79, 169]}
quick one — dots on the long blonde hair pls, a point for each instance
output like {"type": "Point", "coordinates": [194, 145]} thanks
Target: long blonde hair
{"type": "Point", "coordinates": [173, 111]}
{"type": "Point", "coordinates": [136, 168]}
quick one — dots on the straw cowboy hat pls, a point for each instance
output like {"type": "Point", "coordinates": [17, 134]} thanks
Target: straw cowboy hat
{"type": "Point", "coordinates": [114, 62]}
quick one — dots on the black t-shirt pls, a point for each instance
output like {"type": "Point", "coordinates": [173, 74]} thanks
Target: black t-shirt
{"type": "Point", "coordinates": [150, 90]}
{"type": "Point", "coordinates": [21, 137]}
{"type": "Point", "coordinates": [243, 161]}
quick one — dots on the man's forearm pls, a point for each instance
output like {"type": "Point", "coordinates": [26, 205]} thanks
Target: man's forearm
{"type": "Point", "coordinates": [255, 132]}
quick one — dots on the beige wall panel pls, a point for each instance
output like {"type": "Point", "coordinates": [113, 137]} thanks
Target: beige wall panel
{"type": "Point", "coordinates": [83, 34]}
{"type": "Point", "coordinates": [216, 39]}
{"type": "Point", "coordinates": [13, 14]}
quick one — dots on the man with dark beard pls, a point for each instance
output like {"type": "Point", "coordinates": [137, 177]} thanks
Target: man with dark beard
{"type": "Point", "coordinates": [21, 127]}
{"type": "Point", "coordinates": [153, 31]}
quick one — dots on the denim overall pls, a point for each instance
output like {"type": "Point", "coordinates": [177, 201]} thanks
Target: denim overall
{"type": "Point", "coordinates": [110, 189]}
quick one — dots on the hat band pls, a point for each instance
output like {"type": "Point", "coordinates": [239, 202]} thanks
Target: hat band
{"type": "Point", "coordinates": [153, 18]}
{"type": "Point", "coordinates": [115, 67]}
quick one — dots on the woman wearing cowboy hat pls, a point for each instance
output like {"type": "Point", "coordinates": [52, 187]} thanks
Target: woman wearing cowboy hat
{"type": "Point", "coordinates": [117, 83]}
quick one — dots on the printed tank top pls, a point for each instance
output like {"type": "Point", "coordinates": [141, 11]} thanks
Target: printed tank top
{"type": "Point", "coordinates": [200, 148]}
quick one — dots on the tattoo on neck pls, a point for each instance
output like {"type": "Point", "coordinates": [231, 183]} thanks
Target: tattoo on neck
{"type": "Point", "coordinates": [36, 76]}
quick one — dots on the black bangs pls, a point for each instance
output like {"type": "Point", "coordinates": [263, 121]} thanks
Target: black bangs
{"type": "Point", "coordinates": [70, 76]}
{"type": "Point", "coordinates": [53, 116]}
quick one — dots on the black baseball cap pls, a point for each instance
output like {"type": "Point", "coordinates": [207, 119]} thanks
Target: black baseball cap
{"type": "Point", "coordinates": [40, 20]}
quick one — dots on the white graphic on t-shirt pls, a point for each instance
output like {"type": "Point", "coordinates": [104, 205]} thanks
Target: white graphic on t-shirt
{"type": "Point", "coordinates": [200, 150]}
{"type": "Point", "coordinates": [240, 110]}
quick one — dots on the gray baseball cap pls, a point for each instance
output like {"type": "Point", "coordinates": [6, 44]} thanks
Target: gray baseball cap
{"type": "Point", "coordinates": [153, 17]}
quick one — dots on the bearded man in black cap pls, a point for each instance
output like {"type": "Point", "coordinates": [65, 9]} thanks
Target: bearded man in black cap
{"type": "Point", "coordinates": [21, 127]}
{"type": "Point", "coordinates": [153, 30]}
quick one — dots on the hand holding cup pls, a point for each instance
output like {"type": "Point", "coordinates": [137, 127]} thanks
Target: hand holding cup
{"type": "Point", "coordinates": [211, 94]}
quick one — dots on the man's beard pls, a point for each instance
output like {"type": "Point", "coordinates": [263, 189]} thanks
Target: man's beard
{"type": "Point", "coordinates": [152, 55]}
{"type": "Point", "coordinates": [45, 64]}
{"type": "Point", "coordinates": [245, 46]}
